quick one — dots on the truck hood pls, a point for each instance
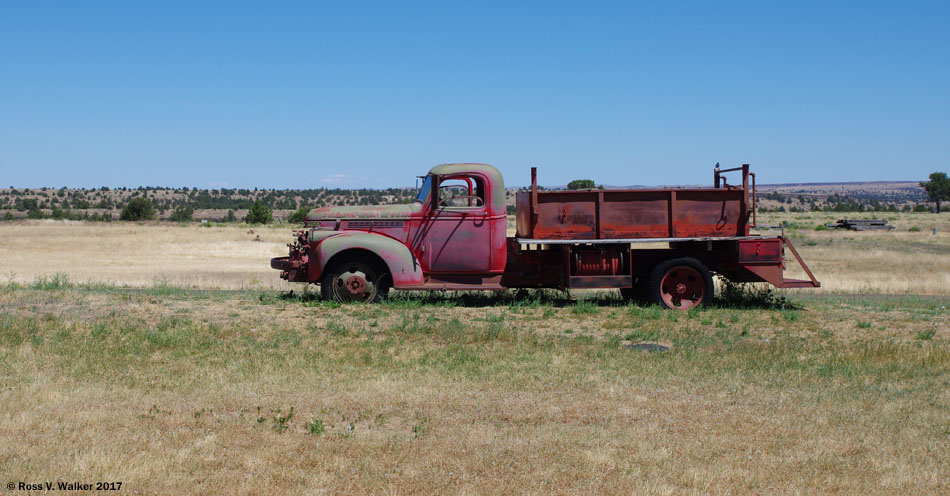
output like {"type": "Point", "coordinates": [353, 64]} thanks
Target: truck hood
{"type": "Point", "coordinates": [364, 212]}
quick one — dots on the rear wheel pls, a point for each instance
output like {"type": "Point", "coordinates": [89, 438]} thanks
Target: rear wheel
{"type": "Point", "coordinates": [681, 284]}
{"type": "Point", "coordinates": [354, 280]}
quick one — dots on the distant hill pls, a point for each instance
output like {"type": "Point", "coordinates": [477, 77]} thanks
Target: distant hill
{"type": "Point", "coordinates": [214, 204]}
{"type": "Point", "coordinates": [829, 188]}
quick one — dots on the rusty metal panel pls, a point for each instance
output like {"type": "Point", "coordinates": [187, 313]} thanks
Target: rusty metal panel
{"type": "Point", "coordinates": [593, 282]}
{"type": "Point", "coordinates": [635, 214]}
{"type": "Point", "coordinates": [606, 214]}
{"type": "Point", "coordinates": [713, 212]}
{"type": "Point", "coordinates": [533, 268]}
{"type": "Point", "coordinates": [523, 227]}
{"type": "Point", "coordinates": [760, 251]}
{"type": "Point", "coordinates": [566, 215]}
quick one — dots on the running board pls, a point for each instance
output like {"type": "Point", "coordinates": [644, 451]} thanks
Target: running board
{"type": "Point", "coordinates": [458, 282]}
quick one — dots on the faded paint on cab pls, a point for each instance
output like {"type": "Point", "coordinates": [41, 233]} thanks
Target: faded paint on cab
{"type": "Point", "coordinates": [364, 212]}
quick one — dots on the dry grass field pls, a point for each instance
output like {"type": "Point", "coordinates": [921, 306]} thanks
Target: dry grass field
{"type": "Point", "coordinates": [143, 254]}
{"type": "Point", "coordinates": [909, 259]}
{"type": "Point", "coordinates": [225, 256]}
{"type": "Point", "coordinates": [121, 359]}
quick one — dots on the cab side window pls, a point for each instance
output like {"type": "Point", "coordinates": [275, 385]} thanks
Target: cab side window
{"type": "Point", "coordinates": [462, 192]}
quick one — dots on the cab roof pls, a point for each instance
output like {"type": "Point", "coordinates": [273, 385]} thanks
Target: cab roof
{"type": "Point", "coordinates": [494, 176]}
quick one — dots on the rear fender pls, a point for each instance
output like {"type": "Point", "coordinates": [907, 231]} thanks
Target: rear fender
{"type": "Point", "coordinates": [402, 264]}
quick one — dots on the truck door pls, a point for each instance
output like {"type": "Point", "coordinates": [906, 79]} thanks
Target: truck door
{"type": "Point", "coordinates": [456, 232]}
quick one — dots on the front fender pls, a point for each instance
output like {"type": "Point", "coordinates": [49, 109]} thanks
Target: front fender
{"type": "Point", "coordinates": [402, 264]}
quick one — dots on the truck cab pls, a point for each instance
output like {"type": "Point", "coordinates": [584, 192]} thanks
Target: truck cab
{"type": "Point", "coordinates": [462, 224]}
{"type": "Point", "coordinates": [453, 236]}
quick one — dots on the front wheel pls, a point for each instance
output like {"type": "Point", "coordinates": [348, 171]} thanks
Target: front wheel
{"type": "Point", "coordinates": [354, 280]}
{"type": "Point", "coordinates": [681, 284]}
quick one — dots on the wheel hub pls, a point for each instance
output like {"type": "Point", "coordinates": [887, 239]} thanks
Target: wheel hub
{"type": "Point", "coordinates": [355, 285]}
{"type": "Point", "coordinates": [682, 288]}
{"type": "Point", "coordinates": [354, 282]}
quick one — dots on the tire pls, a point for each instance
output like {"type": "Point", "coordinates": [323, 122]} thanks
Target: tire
{"type": "Point", "coordinates": [681, 284]}
{"type": "Point", "coordinates": [355, 279]}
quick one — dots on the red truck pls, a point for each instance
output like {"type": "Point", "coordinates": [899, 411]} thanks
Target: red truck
{"type": "Point", "coordinates": [660, 244]}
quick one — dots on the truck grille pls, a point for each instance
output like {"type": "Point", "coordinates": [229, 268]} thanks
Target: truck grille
{"type": "Point", "coordinates": [373, 224]}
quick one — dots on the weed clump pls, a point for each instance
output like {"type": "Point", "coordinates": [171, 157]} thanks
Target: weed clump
{"type": "Point", "coordinates": [746, 295]}
{"type": "Point", "coordinates": [282, 421]}
{"type": "Point", "coordinates": [54, 282]}
{"type": "Point", "coordinates": [315, 426]}
{"type": "Point", "coordinates": [584, 307]}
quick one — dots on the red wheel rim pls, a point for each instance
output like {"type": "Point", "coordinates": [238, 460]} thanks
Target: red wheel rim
{"type": "Point", "coordinates": [354, 282]}
{"type": "Point", "coordinates": [356, 285]}
{"type": "Point", "coordinates": [682, 288]}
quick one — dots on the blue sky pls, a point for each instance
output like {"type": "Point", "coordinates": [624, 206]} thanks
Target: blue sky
{"type": "Point", "coordinates": [366, 94]}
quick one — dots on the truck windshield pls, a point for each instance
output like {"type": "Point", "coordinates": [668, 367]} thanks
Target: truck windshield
{"type": "Point", "coordinates": [424, 190]}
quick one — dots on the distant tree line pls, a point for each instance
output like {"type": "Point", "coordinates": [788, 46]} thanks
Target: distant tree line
{"type": "Point", "coordinates": [180, 204]}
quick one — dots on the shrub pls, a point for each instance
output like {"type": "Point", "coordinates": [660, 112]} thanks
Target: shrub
{"type": "Point", "coordinates": [581, 184]}
{"type": "Point", "coordinates": [138, 209]}
{"type": "Point", "coordinates": [299, 216]}
{"type": "Point", "coordinates": [182, 214]}
{"type": "Point", "coordinates": [259, 214]}
{"type": "Point", "coordinates": [230, 217]}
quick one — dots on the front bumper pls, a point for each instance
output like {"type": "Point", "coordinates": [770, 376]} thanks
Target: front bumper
{"type": "Point", "coordinates": [281, 263]}
{"type": "Point", "coordinates": [292, 269]}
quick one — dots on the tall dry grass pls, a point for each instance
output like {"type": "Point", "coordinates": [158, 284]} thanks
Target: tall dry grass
{"type": "Point", "coordinates": [142, 255]}
{"type": "Point", "coordinates": [900, 261]}
{"type": "Point", "coordinates": [226, 257]}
